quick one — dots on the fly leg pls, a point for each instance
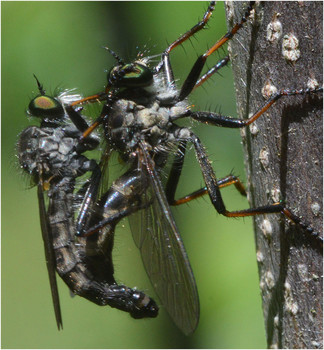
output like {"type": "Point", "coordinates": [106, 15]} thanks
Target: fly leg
{"type": "Point", "coordinates": [195, 72]}
{"type": "Point", "coordinates": [89, 193]}
{"type": "Point", "coordinates": [212, 185]}
{"type": "Point", "coordinates": [229, 122]}
{"type": "Point", "coordinates": [222, 63]}
{"type": "Point", "coordinates": [87, 142]}
{"type": "Point", "coordinates": [193, 80]}
{"type": "Point", "coordinates": [174, 177]}
{"type": "Point", "coordinates": [224, 182]}
{"type": "Point", "coordinates": [76, 118]}
{"type": "Point", "coordinates": [213, 189]}
{"type": "Point", "coordinates": [166, 54]}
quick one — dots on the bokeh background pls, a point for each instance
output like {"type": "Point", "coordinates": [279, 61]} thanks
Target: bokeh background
{"type": "Point", "coordinates": [61, 42]}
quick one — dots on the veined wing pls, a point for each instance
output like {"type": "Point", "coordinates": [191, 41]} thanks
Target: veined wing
{"type": "Point", "coordinates": [49, 255]}
{"type": "Point", "coordinates": [163, 253]}
{"type": "Point", "coordinates": [104, 162]}
{"type": "Point", "coordinates": [95, 186]}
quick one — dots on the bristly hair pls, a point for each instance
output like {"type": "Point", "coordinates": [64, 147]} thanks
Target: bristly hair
{"type": "Point", "coordinates": [68, 96]}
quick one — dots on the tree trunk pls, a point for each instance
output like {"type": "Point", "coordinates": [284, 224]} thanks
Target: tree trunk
{"type": "Point", "coordinates": [284, 160]}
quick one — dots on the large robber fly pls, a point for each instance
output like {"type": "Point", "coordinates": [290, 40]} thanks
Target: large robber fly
{"type": "Point", "coordinates": [141, 106]}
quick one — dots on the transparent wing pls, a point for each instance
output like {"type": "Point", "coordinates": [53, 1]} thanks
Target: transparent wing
{"type": "Point", "coordinates": [163, 253]}
{"type": "Point", "coordinates": [49, 255]}
{"type": "Point", "coordinates": [104, 161]}
{"type": "Point", "coordinates": [94, 187]}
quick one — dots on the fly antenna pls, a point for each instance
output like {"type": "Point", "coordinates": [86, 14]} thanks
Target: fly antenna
{"type": "Point", "coordinates": [40, 86]}
{"type": "Point", "coordinates": [113, 53]}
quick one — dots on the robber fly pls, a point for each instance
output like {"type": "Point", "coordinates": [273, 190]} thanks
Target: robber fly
{"type": "Point", "coordinates": [141, 107]}
{"type": "Point", "coordinates": [52, 155]}
{"type": "Point", "coordinates": [138, 118]}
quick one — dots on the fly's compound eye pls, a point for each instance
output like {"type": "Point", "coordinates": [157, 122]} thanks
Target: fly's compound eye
{"type": "Point", "coordinates": [46, 107]}
{"type": "Point", "coordinates": [130, 76]}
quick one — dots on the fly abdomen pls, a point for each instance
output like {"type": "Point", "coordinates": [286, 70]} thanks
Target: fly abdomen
{"type": "Point", "coordinates": [137, 303]}
{"type": "Point", "coordinates": [80, 271]}
{"type": "Point", "coordinates": [61, 222]}
{"type": "Point", "coordinates": [60, 212]}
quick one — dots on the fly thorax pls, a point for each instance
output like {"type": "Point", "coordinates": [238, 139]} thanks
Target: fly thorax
{"type": "Point", "coordinates": [130, 122]}
{"type": "Point", "coordinates": [28, 148]}
{"type": "Point", "coordinates": [50, 147]}
{"type": "Point", "coordinates": [59, 150]}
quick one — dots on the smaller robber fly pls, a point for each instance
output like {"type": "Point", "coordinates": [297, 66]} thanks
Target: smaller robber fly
{"type": "Point", "coordinates": [52, 155]}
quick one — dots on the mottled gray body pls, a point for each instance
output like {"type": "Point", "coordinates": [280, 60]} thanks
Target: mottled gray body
{"type": "Point", "coordinates": [52, 155]}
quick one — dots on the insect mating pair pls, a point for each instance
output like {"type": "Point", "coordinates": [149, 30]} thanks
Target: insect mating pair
{"type": "Point", "coordinates": [141, 105]}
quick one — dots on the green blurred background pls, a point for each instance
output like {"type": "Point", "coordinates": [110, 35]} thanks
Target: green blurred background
{"type": "Point", "coordinates": [61, 42]}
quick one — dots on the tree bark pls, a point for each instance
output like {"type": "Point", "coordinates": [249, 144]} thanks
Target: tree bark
{"type": "Point", "coordinates": [280, 47]}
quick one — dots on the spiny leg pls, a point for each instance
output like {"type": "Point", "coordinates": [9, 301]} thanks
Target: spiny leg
{"type": "Point", "coordinates": [175, 172]}
{"type": "Point", "coordinates": [222, 63]}
{"type": "Point", "coordinates": [229, 122]}
{"type": "Point", "coordinates": [91, 190]}
{"type": "Point", "coordinates": [217, 200]}
{"type": "Point", "coordinates": [195, 72]}
{"type": "Point", "coordinates": [224, 182]}
{"type": "Point", "coordinates": [208, 174]}
{"type": "Point", "coordinates": [165, 56]}
{"type": "Point", "coordinates": [273, 209]}
{"type": "Point", "coordinates": [174, 177]}
{"type": "Point", "coordinates": [218, 120]}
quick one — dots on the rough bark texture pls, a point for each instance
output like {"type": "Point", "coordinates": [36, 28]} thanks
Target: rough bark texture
{"type": "Point", "coordinates": [284, 160]}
